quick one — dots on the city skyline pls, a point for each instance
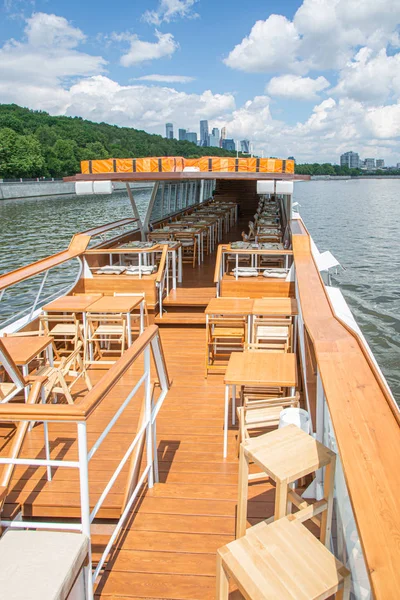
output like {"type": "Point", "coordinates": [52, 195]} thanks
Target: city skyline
{"type": "Point", "coordinates": [216, 139]}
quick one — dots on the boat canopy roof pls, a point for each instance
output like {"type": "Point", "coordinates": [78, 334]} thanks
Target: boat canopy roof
{"type": "Point", "coordinates": [179, 168]}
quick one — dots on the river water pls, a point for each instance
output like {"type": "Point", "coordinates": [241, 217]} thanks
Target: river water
{"type": "Point", "coordinates": [358, 221]}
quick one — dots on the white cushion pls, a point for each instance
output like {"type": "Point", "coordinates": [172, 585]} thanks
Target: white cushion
{"type": "Point", "coordinates": [275, 273]}
{"type": "Point", "coordinates": [245, 272]}
{"type": "Point", "coordinates": [145, 270]}
{"type": "Point", "coordinates": [40, 565]}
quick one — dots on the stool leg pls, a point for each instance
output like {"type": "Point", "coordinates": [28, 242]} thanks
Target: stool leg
{"type": "Point", "coordinates": [281, 494]}
{"type": "Point", "coordinates": [326, 517]}
{"type": "Point", "coordinates": [344, 592]}
{"type": "Point", "coordinates": [222, 581]}
{"type": "Point", "coordinates": [243, 494]}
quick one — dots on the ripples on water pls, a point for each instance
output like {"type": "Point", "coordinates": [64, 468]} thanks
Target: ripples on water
{"type": "Point", "coordinates": [358, 221]}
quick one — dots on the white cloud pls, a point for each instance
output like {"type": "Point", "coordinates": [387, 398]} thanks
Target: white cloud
{"type": "Point", "coordinates": [322, 35]}
{"type": "Point", "coordinates": [272, 45]}
{"type": "Point", "coordinates": [140, 51]}
{"type": "Point", "coordinates": [35, 70]}
{"type": "Point", "coordinates": [296, 87]}
{"type": "Point", "coordinates": [169, 10]}
{"type": "Point", "coordinates": [370, 78]}
{"type": "Point", "coordinates": [384, 121]}
{"type": "Point", "coordinates": [166, 78]}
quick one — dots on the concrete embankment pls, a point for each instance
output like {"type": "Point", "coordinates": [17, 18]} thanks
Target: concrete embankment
{"type": "Point", "coordinates": [35, 189]}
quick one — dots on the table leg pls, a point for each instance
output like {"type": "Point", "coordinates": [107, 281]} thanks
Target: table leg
{"type": "Point", "coordinates": [222, 591]}
{"type": "Point", "coordinates": [174, 269]}
{"type": "Point", "coordinates": [233, 404]}
{"type": "Point", "coordinates": [129, 328]}
{"type": "Point", "coordinates": [226, 411]}
{"type": "Point", "coordinates": [142, 316]}
{"type": "Point", "coordinates": [199, 249]}
{"type": "Point", "coordinates": [180, 264]}
{"type": "Point", "coordinates": [241, 519]}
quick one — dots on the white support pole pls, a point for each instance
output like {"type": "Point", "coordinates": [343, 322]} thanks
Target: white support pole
{"type": "Point", "coordinates": [135, 211]}
{"type": "Point", "coordinates": [150, 209]}
{"type": "Point", "coordinates": [85, 503]}
{"type": "Point", "coordinates": [149, 436]}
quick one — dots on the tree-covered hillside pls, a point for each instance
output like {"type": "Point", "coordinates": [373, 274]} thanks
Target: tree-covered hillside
{"type": "Point", "coordinates": [34, 144]}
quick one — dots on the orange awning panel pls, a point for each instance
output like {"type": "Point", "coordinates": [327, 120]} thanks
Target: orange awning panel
{"type": "Point", "coordinates": [173, 164]}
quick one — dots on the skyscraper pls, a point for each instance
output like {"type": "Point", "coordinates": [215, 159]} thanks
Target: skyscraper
{"type": "Point", "coordinates": [215, 132]}
{"type": "Point", "coordinates": [380, 163]}
{"type": "Point", "coordinates": [350, 160]}
{"type": "Point", "coordinates": [204, 133]}
{"type": "Point", "coordinates": [223, 137]}
{"type": "Point", "coordinates": [229, 144]}
{"type": "Point", "coordinates": [245, 146]}
{"type": "Point", "coordinates": [191, 136]}
{"type": "Point", "coordinates": [213, 140]}
{"type": "Point", "coordinates": [182, 135]}
{"type": "Point", "coordinates": [169, 131]}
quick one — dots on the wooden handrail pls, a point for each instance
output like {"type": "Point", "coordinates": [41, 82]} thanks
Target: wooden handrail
{"type": "Point", "coordinates": [81, 410]}
{"type": "Point", "coordinates": [365, 422]}
{"type": "Point", "coordinates": [161, 266]}
{"type": "Point", "coordinates": [78, 245]}
{"type": "Point", "coordinates": [217, 270]}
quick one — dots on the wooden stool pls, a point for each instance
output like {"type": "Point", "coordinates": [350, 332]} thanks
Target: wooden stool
{"type": "Point", "coordinates": [285, 455]}
{"type": "Point", "coordinates": [281, 560]}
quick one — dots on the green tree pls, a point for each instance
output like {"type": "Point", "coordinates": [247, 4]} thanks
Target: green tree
{"type": "Point", "coordinates": [20, 155]}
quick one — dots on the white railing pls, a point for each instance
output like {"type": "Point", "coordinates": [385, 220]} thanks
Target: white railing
{"type": "Point", "coordinates": [19, 318]}
{"type": "Point", "coordinates": [149, 342]}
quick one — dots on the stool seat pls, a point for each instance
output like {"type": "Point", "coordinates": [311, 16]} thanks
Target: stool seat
{"type": "Point", "coordinates": [281, 560]}
{"type": "Point", "coordinates": [288, 453]}
{"type": "Point", "coordinates": [40, 565]}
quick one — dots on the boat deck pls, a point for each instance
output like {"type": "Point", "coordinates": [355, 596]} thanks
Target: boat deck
{"type": "Point", "coordinates": [167, 549]}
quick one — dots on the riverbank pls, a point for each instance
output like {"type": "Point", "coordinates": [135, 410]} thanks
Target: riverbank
{"type": "Point", "coordinates": [346, 177]}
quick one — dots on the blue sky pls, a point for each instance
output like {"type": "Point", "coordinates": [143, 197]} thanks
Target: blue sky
{"type": "Point", "coordinates": [309, 78]}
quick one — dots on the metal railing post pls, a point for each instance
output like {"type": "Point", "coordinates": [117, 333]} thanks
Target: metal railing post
{"type": "Point", "coordinates": [85, 503]}
{"type": "Point", "coordinates": [149, 436]}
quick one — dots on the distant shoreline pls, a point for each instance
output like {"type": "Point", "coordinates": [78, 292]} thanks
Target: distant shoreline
{"type": "Point", "coordinates": [347, 177]}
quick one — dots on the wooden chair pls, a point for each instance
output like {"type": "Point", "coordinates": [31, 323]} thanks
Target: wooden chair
{"type": "Point", "coordinates": [156, 236]}
{"type": "Point", "coordinates": [274, 334]}
{"type": "Point", "coordinates": [270, 563]}
{"type": "Point", "coordinates": [257, 416]}
{"type": "Point", "coordinates": [104, 331]}
{"type": "Point", "coordinates": [70, 366]}
{"type": "Point", "coordinates": [66, 331]}
{"type": "Point", "coordinates": [189, 247]}
{"type": "Point", "coordinates": [9, 370]}
{"type": "Point", "coordinates": [224, 336]}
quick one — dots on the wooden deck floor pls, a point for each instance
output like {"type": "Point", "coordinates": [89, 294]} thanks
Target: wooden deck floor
{"type": "Point", "coordinates": [167, 549]}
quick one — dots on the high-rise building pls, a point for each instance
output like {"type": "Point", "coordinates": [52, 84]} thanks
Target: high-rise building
{"type": "Point", "coordinates": [245, 146]}
{"type": "Point", "coordinates": [223, 137]}
{"type": "Point", "coordinates": [182, 135]}
{"type": "Point", "coordinates": [169, 131]}
{"type": "Point", "coordinates": [213, 140]}
{"type": "Point", "coordinates": [369, 164]}
{"type": "Point", "coordinates": [229, 144]}
{"type": "Point", "coordinates": [380, 163]}
{"type": "Point", "coordinates": [204, 133]}
{"type": "Point", "coordinates": [191, 136]}
{"type": "Point", "coordinates": [350, 160]}
{"type": "Point", "coordinates": [215, 132]}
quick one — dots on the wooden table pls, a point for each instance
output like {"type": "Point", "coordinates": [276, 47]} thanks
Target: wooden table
{"type": "Point", "coordinates": [121, 304]}
{"type": "Point", "coordinates": [72, 303]}
{"type": "Point", "coordinates": [257, 368]}
{"type": "Point", "coordinates": [231, 307]}
{"type": "Point", "coordinates": [275, 307]}
{"type": "Point", "coordinates": [25, 349]}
